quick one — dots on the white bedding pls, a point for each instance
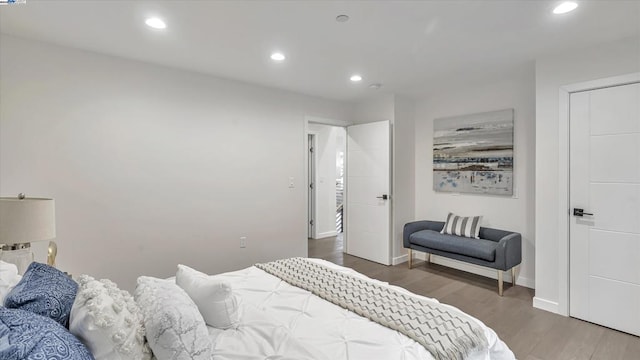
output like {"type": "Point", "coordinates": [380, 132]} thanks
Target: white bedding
{"type": "Point", "coordinates": [281, 321]}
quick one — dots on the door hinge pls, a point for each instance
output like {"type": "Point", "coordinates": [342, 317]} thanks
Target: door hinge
{"type": "Point", "coordinates": [311, 186]}
{"type": "Point", "coordinates": [311, 222]}
{"type": "Point", "coordinates": [311, 149]}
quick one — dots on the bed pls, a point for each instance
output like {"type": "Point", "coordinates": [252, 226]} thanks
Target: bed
{"type": "Point", "coordinates": [258, 315]}
{"type": "Point", "coordinates": [314, 328]}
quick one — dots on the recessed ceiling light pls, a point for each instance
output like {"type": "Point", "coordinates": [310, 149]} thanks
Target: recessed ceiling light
{"type": "Point", "coordinates": [565, 7]}
{"type": "Point", "coordinates": [355, 78]}
{"type": "Point", "coordinates": [155, 23]}
{"type": "Point", "coordinates": [342, 18]}
{"type": "Point", "coordinates": [276, 56]}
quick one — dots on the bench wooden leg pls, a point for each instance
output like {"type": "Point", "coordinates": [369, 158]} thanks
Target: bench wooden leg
{"type": "Point", "coordinates": [428, 257]}
{"type": "Point", "coordinates": [500, 282]}
{"type": "Point", "coordinates": [410, 258]}
{"type": "Point", "coordinates": [513, 276]}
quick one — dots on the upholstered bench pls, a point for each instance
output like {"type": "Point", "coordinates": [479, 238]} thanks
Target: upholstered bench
{"type": "Point", "coordinates": [497, 249]}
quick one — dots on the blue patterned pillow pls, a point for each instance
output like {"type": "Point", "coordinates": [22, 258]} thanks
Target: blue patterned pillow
{"type": "Point", "coordinates": [46, 291]}
{"type": "Point", "coordinates": [25, 335]}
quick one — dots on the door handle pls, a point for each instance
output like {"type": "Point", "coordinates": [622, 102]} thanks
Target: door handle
{"type": "Point", "coordinates": [383, 197]}
{"type": "Point", "coordinates": [580, 212]}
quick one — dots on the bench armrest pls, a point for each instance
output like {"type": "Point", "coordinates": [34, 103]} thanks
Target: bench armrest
{"type": "Point", "coordinates": [410, 228]}
{"type": "Point", "coordinates": [509, 251]}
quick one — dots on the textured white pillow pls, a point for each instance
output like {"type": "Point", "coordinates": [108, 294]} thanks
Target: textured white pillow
{"type": "Point", "coordinates": [8, 279]}
{"type": "Point", "coordinates": [214, 298]}
{"type": "Point", "coordinates": [108, 321]}
{"type": "Point", "coordinates": [175, 328]}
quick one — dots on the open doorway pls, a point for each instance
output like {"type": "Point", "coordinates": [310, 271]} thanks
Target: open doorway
{"type": "Point", "coordinates": [326, 174]}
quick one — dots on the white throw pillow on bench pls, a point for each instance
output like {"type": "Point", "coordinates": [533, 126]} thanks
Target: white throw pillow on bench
{"type": "Point", "coordinates": [468, 226]}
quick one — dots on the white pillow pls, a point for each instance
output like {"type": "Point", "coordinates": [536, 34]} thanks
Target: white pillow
{"type": "Point", "coordinates": [8, 279]}
{"type": "Point", "coordinates": [108, 321]}
{"type": "Point", "coordinates": [175, 328]}
{"type": "Point", "coordinates": [214, 298]}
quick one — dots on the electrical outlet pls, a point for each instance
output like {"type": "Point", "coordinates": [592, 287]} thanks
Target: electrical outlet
{"type": "Point", "coordinates": [243, 241]}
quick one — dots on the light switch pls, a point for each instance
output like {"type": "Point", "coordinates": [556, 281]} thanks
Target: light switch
{"type": "Point", "coordinates": [291, 184]}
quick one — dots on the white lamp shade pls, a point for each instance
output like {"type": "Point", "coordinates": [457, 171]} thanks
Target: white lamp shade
{"type": "Point", "coordinates": [26, 220]}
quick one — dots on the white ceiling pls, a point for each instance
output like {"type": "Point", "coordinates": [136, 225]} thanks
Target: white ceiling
{"type": "Point", "coordinates": [411, 47]}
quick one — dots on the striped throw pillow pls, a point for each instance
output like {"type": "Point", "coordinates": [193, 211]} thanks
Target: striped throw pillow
{"type": "Point", "coordinates": [462, 226]}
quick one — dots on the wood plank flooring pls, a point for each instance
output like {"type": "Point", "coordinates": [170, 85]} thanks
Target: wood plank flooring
{"type": "Point", "coordinates": [532, 334]}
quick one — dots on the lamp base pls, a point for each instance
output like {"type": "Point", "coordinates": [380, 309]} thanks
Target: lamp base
{"type": "Point", "coordinates": [18, 254]}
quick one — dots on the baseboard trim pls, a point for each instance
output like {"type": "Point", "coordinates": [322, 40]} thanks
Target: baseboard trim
{"type": "Point", "coordinates": [326, 234]}
{"type": "Point", "coordinates": [546, 305]}
{"type": "Point", "coordinates": [471, 268]}
{"type": "Point", "coordinates": [399, 259]}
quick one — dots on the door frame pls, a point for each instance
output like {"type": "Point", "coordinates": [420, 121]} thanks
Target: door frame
{"type": "Point", "coordinates": [564, 190]}
{"type": "Point", "coordinates": [322, 121]}
{"type": "Point", "coordinates": [311, 192]}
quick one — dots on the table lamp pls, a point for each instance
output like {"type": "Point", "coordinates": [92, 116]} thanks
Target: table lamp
{"type": "Point", "coordinates": [23, 221]}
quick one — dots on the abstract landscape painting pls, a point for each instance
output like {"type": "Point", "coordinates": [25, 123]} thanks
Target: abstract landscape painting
{"type": "Point", "coordinates": [474, 153]}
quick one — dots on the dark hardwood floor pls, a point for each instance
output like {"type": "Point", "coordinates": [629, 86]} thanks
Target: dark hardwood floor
{"type": "Point", "coordinates": [532, 334]}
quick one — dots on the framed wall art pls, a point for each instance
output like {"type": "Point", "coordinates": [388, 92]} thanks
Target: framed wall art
{"type": "Point", "coordinates": [474, 153]}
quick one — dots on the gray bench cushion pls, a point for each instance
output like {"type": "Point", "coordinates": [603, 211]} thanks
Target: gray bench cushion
{"type": "Point", "coordinates": [477, 248]}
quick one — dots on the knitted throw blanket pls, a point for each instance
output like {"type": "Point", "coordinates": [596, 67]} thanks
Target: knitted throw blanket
{"type": "Point", "coordinates": [444, 332]}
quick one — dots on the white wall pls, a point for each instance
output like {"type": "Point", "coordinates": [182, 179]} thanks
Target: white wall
{"type": "Point", "coordinates": [552, 72]}
{"type": "Point", "coordinates": [150, 166]}
{"type": "Point", "coordinates": [399, 111]}
{"type": "Point", "coordinates": [377, 108]}
{"type": "Point", "coordinates": [513, 90]}
{"type": "Point", "coordinates": [329, 139]}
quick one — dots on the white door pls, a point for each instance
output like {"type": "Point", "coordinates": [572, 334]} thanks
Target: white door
{"type": "Point", "coordinates": [368, 198]}
{"type": "Point", "coordinates": [605, 186]}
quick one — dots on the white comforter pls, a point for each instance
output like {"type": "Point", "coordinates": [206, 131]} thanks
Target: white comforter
{"type": "Point", "coordinates": [283, 322]}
